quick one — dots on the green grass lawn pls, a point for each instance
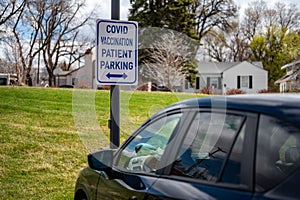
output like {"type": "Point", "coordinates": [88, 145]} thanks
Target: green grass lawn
{"type": "Point", "coordinates": [46, 134]}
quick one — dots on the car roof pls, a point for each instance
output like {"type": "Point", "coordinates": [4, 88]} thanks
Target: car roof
{"type": "Point", "coordinates": [279, 105]}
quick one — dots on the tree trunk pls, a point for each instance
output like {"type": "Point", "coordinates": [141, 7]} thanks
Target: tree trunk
{"type": "Point", "coordinates": [51, 80]}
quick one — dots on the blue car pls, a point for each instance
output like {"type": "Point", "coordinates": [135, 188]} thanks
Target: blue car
{"type": "Point", "coordinates": [224, 147]}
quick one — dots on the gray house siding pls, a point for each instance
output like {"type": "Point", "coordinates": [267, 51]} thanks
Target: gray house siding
{"type": "Point", "coordinates": [291, 81]}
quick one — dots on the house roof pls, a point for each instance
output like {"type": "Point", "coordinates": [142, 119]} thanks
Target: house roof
{"type": "Point", "coordinates": [214, 67]}
{"type": "Point", "coordinates": [66, 73]}
{"type": "Point", "coordinates": [291, 77]}
{"type": "Point", "coordinates": [220, 67]}
{"type": "Point", "coordinates": [290, 64]}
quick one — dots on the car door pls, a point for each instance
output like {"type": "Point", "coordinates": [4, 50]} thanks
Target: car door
{"type": "Point", "coordinates": [136, 164]}
{"type": "Point", "coordinates": [277, 165]}
{"type": "Point", "coordinates": [214, 160]}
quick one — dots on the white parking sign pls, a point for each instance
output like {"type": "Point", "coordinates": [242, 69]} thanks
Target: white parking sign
{"type": "Point", "coordinates": [117, 52]}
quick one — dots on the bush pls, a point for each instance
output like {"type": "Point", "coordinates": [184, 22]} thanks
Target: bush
{"type": "Point", "coordinates": [103, 87]}
{"type": "Point", "coordinates": [143, 87]}
{"type": "Point", "coordinates": [269, 90]}
{"type": "Point", "coordinates": [83, 85]}
{"type": "Point", "coordinates": [207, 90]}
{"type": "Point", "coordinates": [235, 91]}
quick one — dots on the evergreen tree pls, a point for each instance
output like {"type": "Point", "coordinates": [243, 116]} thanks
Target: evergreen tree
{"type": "Point", "coordinates": [147, 12]}
{"type": "Point", "coordinates": [171, 14]}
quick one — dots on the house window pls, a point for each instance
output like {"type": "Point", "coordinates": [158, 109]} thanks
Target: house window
{"type": "Point", "coordinates": [244, 82]}
{"type": "Point", "coordinates": [74, 81]}
{"type": "Point", "coordinates": [214, 82]}
{"type": "Point", "coordinates": [62, 80]}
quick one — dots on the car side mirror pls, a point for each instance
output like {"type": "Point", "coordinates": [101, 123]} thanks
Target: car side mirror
{"type": "Point", "coordinates": [101, 160]}
{"type": "Point", "coordinates": [139, 146]}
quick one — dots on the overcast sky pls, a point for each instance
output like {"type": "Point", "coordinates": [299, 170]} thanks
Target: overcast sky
{"type": "Point", "coordinates": [104, 6]}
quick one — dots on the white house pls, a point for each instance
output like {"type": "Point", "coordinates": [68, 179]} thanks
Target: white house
{"type": "Point", "coordinates": [223, 76]}
{"type": "Point", "coordinates": [291, 81]}
{"type": "Point", "coordinates": [83, 77]}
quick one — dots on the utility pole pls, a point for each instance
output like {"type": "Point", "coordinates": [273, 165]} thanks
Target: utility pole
{"type": "Point", "coordinates": [114, 122]}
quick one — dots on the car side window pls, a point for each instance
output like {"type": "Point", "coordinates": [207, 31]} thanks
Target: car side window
{"type": "Point", "coordinates": [206, 147]}
{"type": "Point", "coordinates": [278, 152]}
{"type": "Point", "coordinates": [143, 153]}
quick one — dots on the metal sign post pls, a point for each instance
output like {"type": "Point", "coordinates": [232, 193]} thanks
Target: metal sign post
{"type": "Point", "coordinates": [117, 62]}
{"type": "Point", "coordinates": [114, 122]}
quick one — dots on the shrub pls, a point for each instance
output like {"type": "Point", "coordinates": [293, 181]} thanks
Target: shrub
{"type": "Point", "coordinates": [143, 87]}
{"type": "Point", "coordinates": [269, 90]}
{"type": "Point", "coordinates": [103, 87]}
{"type": "Point", "coordinates": [83, 85]}
{"type": "Point", "coordinates": [207, 90]}
{"type": "Point", "coordinates": [235, 91]}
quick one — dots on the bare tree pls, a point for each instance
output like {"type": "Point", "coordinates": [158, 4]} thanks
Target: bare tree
{"type": "Point", "coordinates": [168, 58]}
{"type": "Point", "coordinates": [259, 17]}
{"type": "Point", "coordinates": [8, 8]}
{"type": "Point", "coordinates": [11, 55]}
{"type": "Point", "coordinates": [231, 45]}
{"type": "Point", "coordinates": [7, 65]}
{"type": "Point", "coordinates": [60, 32]}
{"type": "Point", "coordinates": [47, 28]}
{"type": "Point", "coordinates": [216, 47]}
{"type": "Point", "coordinates": [252, 22]}
{"type": "Point", "coordinates": [213, 13]}
{"type": "Point", "coordinates": [20, 56]}
{"type": "Point", "coordinates": [288, 16]}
